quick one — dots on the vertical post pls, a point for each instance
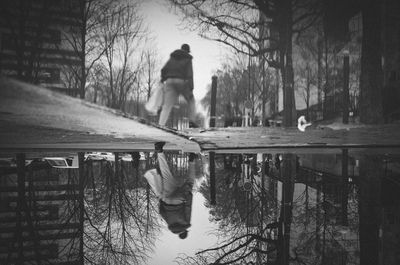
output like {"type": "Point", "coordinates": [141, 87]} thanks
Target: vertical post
{"type": "Point", "coordinates": [345, 177]}
{"type": "Point", "coordinates": [346, 73]}
{"type": "Point", "coordinates": [81, 157]}
{"type": "Point", "coordinates": [212, 178]}
{"type": "Point", "coordinates": [213, 100]}
{"type": "Point", "coordinates": [21, 194]}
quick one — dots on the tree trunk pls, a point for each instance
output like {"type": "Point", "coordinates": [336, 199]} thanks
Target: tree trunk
{"type": "Point", "coordinates": [319, 69]}
{"type": "Point", "coordinates": [318, 219]}
{"type": "Point", "coordinates": [370, 209]}
{"type": "Point", "coordinates": [96, 88]}
{"type": "Point", "coordinates": [275, 105]}
{"type": "Point", "coordinates": [81, 198]}
{"type": "Point", "coordinates": [326, 85]}
{"type": "Point", "coordinates": [308, 92]}
{"type": "Point", "coordinates": [19, 34]}
{"type": "Point", "coordinates": [264, 101]}
{"type": "Point", "coordinates": [264, 93]}
{"type": "Point", "coordinates": [371, 65]}
{"type": "Point", "coordinates": [289, 108]}
{"type": "Point", "coordinates": [345, 192]}
{"type": "Point", "coordinates": [83, 50]}
{"type": "Point", "coordinates": [288, 172]}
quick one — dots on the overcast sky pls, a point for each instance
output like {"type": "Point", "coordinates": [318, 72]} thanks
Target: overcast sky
{"type": "Point", "coordinates": [169, 35]}
{"type": "Point", "coordinates": [207, 56]}
{"type": "Point", "coordinates": [169, 246]}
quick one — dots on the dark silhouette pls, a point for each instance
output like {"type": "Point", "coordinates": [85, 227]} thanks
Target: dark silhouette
{"type": "Point", "coordinates": [177, 74]}
{"type": "Point", "coordinates": [174, 192]}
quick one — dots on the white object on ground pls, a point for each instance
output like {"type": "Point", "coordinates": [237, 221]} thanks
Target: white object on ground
{"type": "Point", "coordinates": [302, 124]}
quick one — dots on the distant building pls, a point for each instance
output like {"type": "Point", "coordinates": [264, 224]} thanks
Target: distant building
{"type": "Point", "coordinates": [40, 42]}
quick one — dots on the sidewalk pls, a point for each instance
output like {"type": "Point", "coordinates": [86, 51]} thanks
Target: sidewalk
{"type": "Point", "coordinates": [32, 117]}
{"type": "Point", "coordinates": [36, 118]}
{"type": "Point", "coordinates": [335, 136]}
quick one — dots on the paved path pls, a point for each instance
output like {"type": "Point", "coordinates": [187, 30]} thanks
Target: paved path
{"type": "Point", "coordinates": [36, 118]}
{"type": "Point", "coordinates": [265, 138]}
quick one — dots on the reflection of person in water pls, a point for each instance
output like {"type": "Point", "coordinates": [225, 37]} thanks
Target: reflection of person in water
{"type": "Point", "coordinates": [174, 192]}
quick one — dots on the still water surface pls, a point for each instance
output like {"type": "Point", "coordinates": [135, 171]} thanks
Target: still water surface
{"type": "Point", "coordinates": [312, 207]}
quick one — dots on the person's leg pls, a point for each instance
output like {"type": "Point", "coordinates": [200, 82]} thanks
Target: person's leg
{"type": "Point", "coordinates": [192, 170]}
{"type": "Point", "coordinates": [192, 109]}
{"type": "Point", "coordinates": [188, 94]}
{"type": "Point", "coordinates": [170, 97]}
{"type": "Point", "coordinates": [170, 183]}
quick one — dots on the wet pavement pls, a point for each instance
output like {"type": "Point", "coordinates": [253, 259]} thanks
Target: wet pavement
{"type": "Point", "coordinates": [248, 208]}
{"type": "Point", "coordinates": [33, 117]}
{"type": "Point", "coordinates": [73, 189]}
{"type": "Point", "coordinates": [271, 138]}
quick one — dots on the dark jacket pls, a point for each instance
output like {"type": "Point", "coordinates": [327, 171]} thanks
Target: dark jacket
{"type": "Point", "coordinates": [178, 216]}
{"type": "Point", "coordinates": [179, 65]}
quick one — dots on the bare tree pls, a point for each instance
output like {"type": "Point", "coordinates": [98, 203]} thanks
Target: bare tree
{"type": "Point", "coordinates": [231, 92]}
{"type": "Point", "coordinates": [151, 68]}
{"type": "Point", "coordinates": [97, 81]}
{"type": "Point", "coordinates": [117, 230]}
{"type": "Point", "coordinates": [305, 77]}
{"type": "Point", "coordinates": [237, 24]}
{"type": "Point", "coordinates": [81, 37]}
{"type": "Point", "coordinates": [119, 37]}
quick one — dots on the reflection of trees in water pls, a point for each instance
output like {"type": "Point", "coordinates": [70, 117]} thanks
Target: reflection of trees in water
{"type": "Point", "coordinates": [122, 219]}
{"type": "Point", "coordinates": [240, 249]}
{"type": "Point", "coordinates": [121, 213]}
{"type": "Point", "coordinates": [317, 222]}
{"type": "Point", "coordinates": [45, 216]}
{"type": "Point", "coordinates": [245, 223]}
{"type": "Point", "coordinates": [320, 233]}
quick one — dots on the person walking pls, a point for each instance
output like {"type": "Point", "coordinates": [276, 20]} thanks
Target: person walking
{"type": "Point", "coordinates": [177, 74]}
{"type": "Point", "coordinates": [174, 192]}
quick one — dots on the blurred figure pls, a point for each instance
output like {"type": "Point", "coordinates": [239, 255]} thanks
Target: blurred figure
{"type": "Point", "coordinates": [177, 74]}
{"type": "Point", "coordinates": [174, 192]}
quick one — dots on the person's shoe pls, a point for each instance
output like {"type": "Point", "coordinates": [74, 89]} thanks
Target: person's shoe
{"type": "Point", "coordinates": [158, 147]}
{"type": "Point", "coordinates": [193, 124]}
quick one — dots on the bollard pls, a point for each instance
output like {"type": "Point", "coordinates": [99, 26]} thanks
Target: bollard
{"type": "Point", "coordinates": [346, 73]}
{"type": "Point", "coordinates": [212, 179]}
{"type": "Point", "coordinates": [213, 100]}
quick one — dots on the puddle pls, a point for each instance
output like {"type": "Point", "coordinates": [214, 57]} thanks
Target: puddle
{"type": "Point", "coordinates": [288, 207]}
